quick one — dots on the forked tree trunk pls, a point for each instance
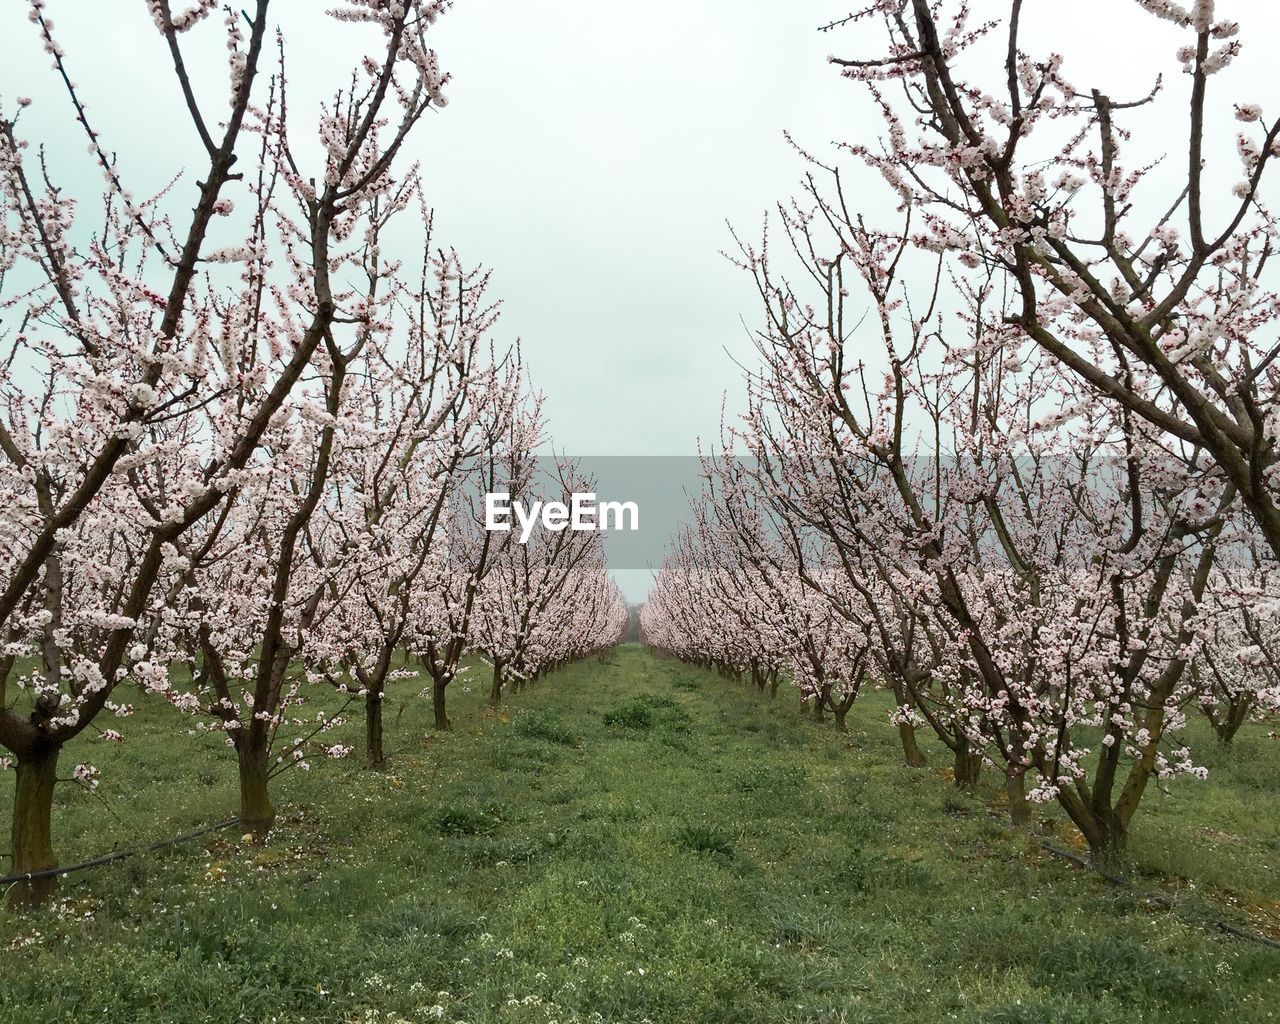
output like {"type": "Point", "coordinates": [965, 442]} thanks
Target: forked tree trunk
{"type": "Point", "coordinates": [1227, 725]}
{"type": "Point", "coordinates": [257, 814]}
{"type": "Point", "coordinates": [1108, 838]}
{"type": "Point", "coordinates": [373, 730]}
{"type": "Point", "coordinates": [437, 704]}
{"type": "Point", "coordinates": [841, 708]}
{"type": "Point", "coordinates": [1103, 828]}
{"type": "Point", "coordinates": [1102, 820]}
{"type": "Point", "coordinates": [33, 827]}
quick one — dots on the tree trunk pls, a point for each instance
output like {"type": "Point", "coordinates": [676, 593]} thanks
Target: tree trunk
{"type": "Point", "coordinates": [495, 691]}
{"type": "Point", "coordinates": [968, 767]}
{"type": "Point", "coordinates": [773, 685]}
{"type": "Point", "coordinates": [1229, 724]}
{"type": "Point", "coordinates": [1108, 839]}
{"type": "Point", "coordinates": [910, 750]}
{"type": "Point", "coordinates": [1103, 829]}
{"type": "Point", "coordinates": [906, 731]}
{"type": "Point", "coordinates": [840, 714]}
{"type": "Point", "coordinates": [373, 730]}
{"type": "Point", "coordinates": [33, 827]}
{"type": "Point", "coordinates": [817, 709]}
{"type": "Point", "coordinates": [437, 702]}
{"type": "Point", "coordinates": [257, 814]}
{"type": "Point", "coordinates": [1015, 787]}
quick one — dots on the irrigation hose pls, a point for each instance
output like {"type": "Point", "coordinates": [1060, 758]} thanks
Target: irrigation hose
{"type": "Point", "coordinates": [131, 851]}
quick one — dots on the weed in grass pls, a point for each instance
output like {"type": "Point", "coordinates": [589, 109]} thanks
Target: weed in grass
{"type": "Point", "coordinates": [420, 917]}
{"type": "Point", "coordinates": [647, 711]}
{"type": "Point", "coordinates": [464, 820]}
{"type": "Point", "coordinates": [701, 837]}
{"type": "Point", "coordinates": [489, 851]}
{"type": "Point", "coordinates": [773, 778]}
{"type": "Point", "coordinates": [544, 725]}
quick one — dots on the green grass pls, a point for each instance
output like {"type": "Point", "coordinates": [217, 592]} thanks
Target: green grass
{"type": "Point", "coordinates": [632, 841]}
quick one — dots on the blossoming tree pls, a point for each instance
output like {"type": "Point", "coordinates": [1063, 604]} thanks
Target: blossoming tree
{"type": "Point", "coordinates": [148, 364]}
{"type": "Point", "coordinates": [1158, 291]}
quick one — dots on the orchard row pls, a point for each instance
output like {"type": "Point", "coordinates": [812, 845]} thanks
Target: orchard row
{"type": "Point", "coordinates": [1010, 450]}
{"type": "Point", "coordinates": [242, 447]}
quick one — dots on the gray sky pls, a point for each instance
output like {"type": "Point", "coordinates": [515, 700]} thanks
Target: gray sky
{"type": "Point", "coordinates": [592, 153]}
{"type": "Point", "coordinates": [610, 143]}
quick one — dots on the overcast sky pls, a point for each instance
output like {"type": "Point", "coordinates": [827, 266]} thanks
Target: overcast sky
{"type": "Point", "coordinates": [602, 147]}
{"type": "Point", "coordinates": [592, 153]}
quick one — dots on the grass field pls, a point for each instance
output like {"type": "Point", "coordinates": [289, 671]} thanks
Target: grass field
{"type": "Point", "coordinates": [637, 840]}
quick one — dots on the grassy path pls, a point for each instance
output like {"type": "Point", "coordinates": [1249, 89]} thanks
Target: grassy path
{"type": "Point", "coordinates": [628, 841]}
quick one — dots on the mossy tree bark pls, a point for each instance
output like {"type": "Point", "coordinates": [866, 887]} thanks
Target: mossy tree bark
{"type": "Point", "coordinates": [33, 825]}
{"type": "Point", "coordinates": [1015, 787]}
{"type": "Point", "coordinates": [257, 813]}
